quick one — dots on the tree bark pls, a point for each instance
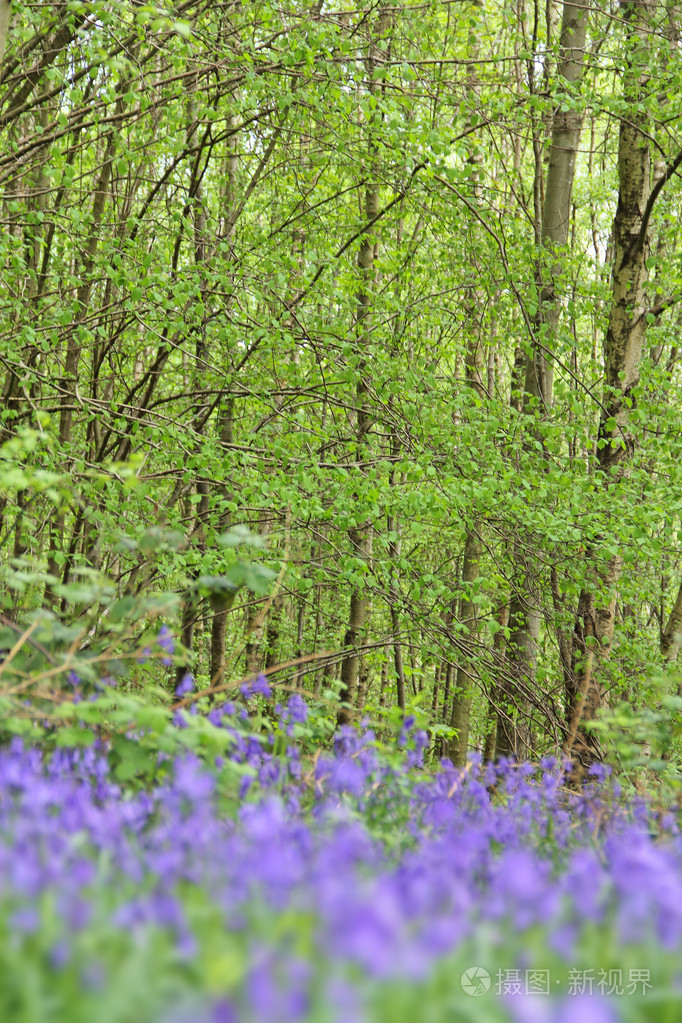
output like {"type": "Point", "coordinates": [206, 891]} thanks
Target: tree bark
{"type": "Point", "coordinates": [5, 12]}
{"type": "Point", "coordinates": [556, 209]}
{"type": "Point", "coordinates": [491, 724]}
{"type": "Point", "coordinates": [670, 635]}
{"type": "Point", "coordinates": [461, 703]}
{"type": "Point", "coordinates": [538, 384]}
{"type": "Point", "coordinates": [625, 333]}
{"type": "Point", "coordinates": [360, 537]}
{"type": "Point", "coordinates": [225, 419]}
{"type": "Point", "coordinates": [349, 667]}
{"type": "Point", "coordinates": [219, 622]}
{"type": "Point", "coordinates": [474, 370]}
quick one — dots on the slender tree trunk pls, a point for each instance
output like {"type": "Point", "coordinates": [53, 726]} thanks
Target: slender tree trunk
{"type": "Point", "coordinates": [349, 667]}
{"type": "Point", "coordinates": [525, 613]}
{"type": "Point", "coordinates": [398, 659]}
{"type": "Point", "coordinates": [474, 370]}
{"type": "Point", "coordinates": [319, 621]}
{"type": "Point", "coordinates": [272, 631]}
{"type": "Point", "coordinates": [300, 626]}
{"type": "Point", "coordinates": [394, 544]}
{"type": "Point", "coordinates": [73, 348]}
{"type": "Point", "coordinates": [383, 683]}
{"type": "Point", "coordinates": [360, 537]}
{"type": "Point", "coordinates": [622, 354]}
{"type": "Point", "coordinates": [491, 723]}
{"type": "Point", "coordinates": [255, 620]}
{"type": "Point", "coordinates": [357, 622]}
{"type": "Point", "coordinates": [461, 703]}
{"type": "Point", "coordinates": [219, 622]}
{"type": "Point", "coordinates": [5, 12]}
{"type": "Point", "coordinates": [394, 594]}
{"type": "Point", "coordinates": [363, 685]}
{"type": "Point", "coordinates": [436, 691]}
{"type": "Point", "coordinates": [521, 653]}
{"type": "Point", "coordinates": [670, 635]}
{"type": "Point", "coordinates": [225, 419]}
{"type": "Point", "coordinates": [444, 744]}
{"type": "Point", "coordinates": [556, 209]}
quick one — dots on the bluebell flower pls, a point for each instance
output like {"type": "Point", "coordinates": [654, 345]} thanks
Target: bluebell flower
{"type": "Point", "coordinates": [256, 687]}
{"type": "Point", "coordinates": [167, 643]}
{"type": "Point", "coordinates": [185, 685]}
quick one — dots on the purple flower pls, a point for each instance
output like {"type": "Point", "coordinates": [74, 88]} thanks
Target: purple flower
{"type": "Point", "coordinates": [59, 955]}
{"type": "Point", "coordinates": [256, 687]}
{"type": "Point", "coordinates": [279, 991]}
{"type": "Point", "coordinates": [373, 875]}
{"type": "Point", "coordinates": [223, 1012]}
{"type": "Point", "coordinates": [297, 709]}
{"type": "Point", "coordinates": [106, 682]}
{"type": "Point", "coordinates": [26, 919]}
{"type": "Point", "coordinates": [421, 739]}
{"type": "Point", "coordinates": [586, 1009]}
{"type": "Point", "coordinates": [192, 780]}
{"type": "Point", "coordinates": [185, 685]}
{"type": "Point", "coordinates": [167, 643]}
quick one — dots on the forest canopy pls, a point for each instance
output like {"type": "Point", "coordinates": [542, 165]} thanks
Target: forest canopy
{"type": "Point", "coordinates": [344, 338]}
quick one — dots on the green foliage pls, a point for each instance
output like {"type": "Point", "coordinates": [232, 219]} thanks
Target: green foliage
{"type": "Point", "coordinates": [190, 344]}
{"type": "Point", "coordinates": [645, 739]}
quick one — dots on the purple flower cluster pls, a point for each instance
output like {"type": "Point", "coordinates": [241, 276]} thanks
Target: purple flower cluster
{"type": "Point", "coordinates": [185, 685]}
{"type": "Point", "coordinates": [256, 687]}
{"type": "Point", "coordinates": [333, 880]}
{"type": "Point", "coordinates": [165, 641]}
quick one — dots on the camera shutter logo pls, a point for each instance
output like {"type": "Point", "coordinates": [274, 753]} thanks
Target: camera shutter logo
{"type": "Point", "coordinates": [475, 981]}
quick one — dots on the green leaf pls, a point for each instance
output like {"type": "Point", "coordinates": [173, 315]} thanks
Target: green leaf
{"type": "Point", "coordinates": [71, 735]}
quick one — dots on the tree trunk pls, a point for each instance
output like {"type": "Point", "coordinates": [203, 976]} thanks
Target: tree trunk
{"type": "Point", "coordinates": [5, 12]}
{"type": "Point", "coordinates": [363, 685]}
{"type": "Point", "coordinates": [219, 622]}
{"type": "Point", "coordinates": [360, 537]}
{"type": "Point", "coordinates": [255, 621]}
{"type": "Point", "coordinates": [383, 683]}
{"type": "Point", "coordinates": [461, 703]}
{"type": "Point", "coordinates": [272, 631]}
{"type": "Point", "coordinates": [349, 667]}
{"type": "Point", "coordinates": [556, 209]}
{"type": "Point", "coordinates": [491, 724]}
{"type": "Point", "coordinates": [525, 616]}
{"type": "Point", "coordinates": [357, 622]}
{"type": "Point", "coordinates": [622, 354]}
{"type": "Point", "coordinates": [670, 635]}
{"type": "Point", "coordinates": [300, 626]}
{"type": "Point", "coordinates": [436, 691]}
